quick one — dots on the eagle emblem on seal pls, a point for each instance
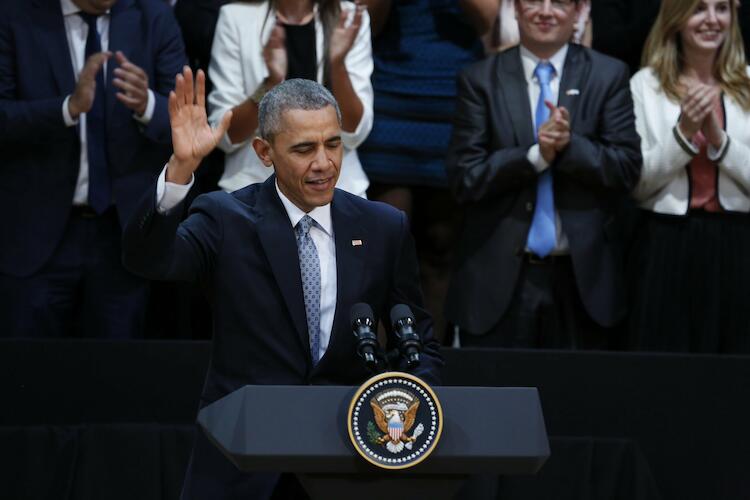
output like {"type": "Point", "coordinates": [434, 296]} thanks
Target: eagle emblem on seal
{"type": "Point", "coordinates": [395, 412]}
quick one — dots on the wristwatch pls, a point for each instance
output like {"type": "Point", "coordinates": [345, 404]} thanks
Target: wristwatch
{"type": "Point", "coordinates": [259, 93]}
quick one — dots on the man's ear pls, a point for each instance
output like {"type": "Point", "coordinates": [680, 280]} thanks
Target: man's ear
{"type": "Point", "coordinates": [263, 149]}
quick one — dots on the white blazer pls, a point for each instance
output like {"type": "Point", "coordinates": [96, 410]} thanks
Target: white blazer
{"type": "Point", "coordinates": [664, 186]}
{"type": "Point", "coordinates": [237, 69]}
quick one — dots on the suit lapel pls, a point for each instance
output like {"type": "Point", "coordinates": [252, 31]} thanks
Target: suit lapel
{"type": "Point", "coordinates": [50, 34]}
{"type": "Point", "coordinates": [349, 263]}
{"type": "Point", "coordinates": [123, 27]}
{"type": "Point", "coordinates": [277, 238]}
{"type": "Point", "coordinates": [515, 91]}
{"type": "Point", "coordinates": [571, 91]}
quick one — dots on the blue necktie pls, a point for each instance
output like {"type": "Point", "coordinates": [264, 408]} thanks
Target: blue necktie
{"type": "Point", "coordinates": [309, 266]}
{"type": "Point", "coordinates": [100, 189]}
{"type": "Point", "coordinates": [542, 235]}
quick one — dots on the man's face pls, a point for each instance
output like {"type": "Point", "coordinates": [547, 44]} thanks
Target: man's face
{"type": "Point", "coordinates": [306, 154]}
{"type": "Point", "coordinates": [546, 25]}
{"type": "Point", "coordinates": [96, 7]}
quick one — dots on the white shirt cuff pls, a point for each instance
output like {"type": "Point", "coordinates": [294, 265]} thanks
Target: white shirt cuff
{"type": "Point", "coordinates": [536, 159]}
{"type": "Point", "coordinates": [149, 113]}
{"type": "Point", "coordinates": [716, 153]}
{"type": "Point", "coordinates": [170, 194]}
{"type": "Point", "coordinates": [69, 121]}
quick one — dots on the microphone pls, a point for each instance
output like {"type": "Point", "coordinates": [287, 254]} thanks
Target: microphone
{"type": "Point", "coordinates": [360, 316]}
{"type": "Point", "coordinates": [409, 343]}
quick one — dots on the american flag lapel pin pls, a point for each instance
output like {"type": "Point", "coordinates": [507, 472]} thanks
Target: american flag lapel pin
{"type": "Point", "coordinates": [356, 243]}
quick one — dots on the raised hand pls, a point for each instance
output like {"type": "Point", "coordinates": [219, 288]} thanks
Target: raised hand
{"type": "Point", "coordinates": [274, 55]}
{"type": "Point", "coordinates": [343, 36]}
{"type": "Point", "coordinates": [192, 136]}
{"type": "Point", "coordinates": [83, 96]}
{"type": "Point", "coordinates": [133, 84]}
{"type": "Point", "coordinates": [698, 103]}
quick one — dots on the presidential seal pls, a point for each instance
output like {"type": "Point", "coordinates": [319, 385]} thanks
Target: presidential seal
{"type": "Point", "coordinates": [395, 420]}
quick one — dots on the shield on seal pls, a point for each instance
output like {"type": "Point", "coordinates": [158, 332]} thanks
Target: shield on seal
{"type": "Point", "coordinates": [395, 428]}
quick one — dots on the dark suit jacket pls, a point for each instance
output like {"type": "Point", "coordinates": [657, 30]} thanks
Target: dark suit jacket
{"type": "Point", "coordinates": [488, 170]}
{"type": "Point", "coordinates": [40, 154]}
{"type": "Point", "coordinates": [241, 248]}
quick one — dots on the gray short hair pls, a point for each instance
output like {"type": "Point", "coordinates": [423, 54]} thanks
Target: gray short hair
{"type": "Point", "coordinates": [296, 93]}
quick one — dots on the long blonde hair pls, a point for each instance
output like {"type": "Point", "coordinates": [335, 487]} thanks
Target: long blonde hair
{"type": "Point", "coordinates": [663, 53]}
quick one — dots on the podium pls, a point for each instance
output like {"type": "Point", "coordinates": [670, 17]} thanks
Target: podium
{"type": "Point", "coordinates": [302, 429]}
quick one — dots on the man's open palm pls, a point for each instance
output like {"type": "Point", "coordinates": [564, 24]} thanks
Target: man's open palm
{"type": "Point", "coordinates": [192, 137]}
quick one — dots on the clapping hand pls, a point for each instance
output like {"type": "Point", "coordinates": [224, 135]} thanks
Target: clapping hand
{"type": "Point", "coordinates": [133, 84]}
{"type": "Point", "coordinates": [343, 36]}
{"type": "Point", "coordinates": [554, 134]}
{"type": "Point", "coordinates": [83, 96]}
{"type": "Point", "coordinates": [697, 105]}
{"type": "Point", "coordinates": [274, 54]}
{"type": "Point", "coordinates": [192, 136]}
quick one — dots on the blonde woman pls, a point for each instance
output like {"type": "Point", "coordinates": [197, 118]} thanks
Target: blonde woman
{"type": "Point", "coordinates": [692, 108]}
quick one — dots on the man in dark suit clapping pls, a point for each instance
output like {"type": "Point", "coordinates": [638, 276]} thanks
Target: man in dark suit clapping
{"type": "Point", "coordinates": [83, 130]}
{"type": "Point", "coordinates": [544, 147]}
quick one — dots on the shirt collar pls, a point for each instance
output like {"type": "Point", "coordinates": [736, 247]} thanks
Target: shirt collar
{"type": "Point", "coordinates": [530, 62]}
{"type": "Point", "coordinates": [69, 8]}
{"type": "Point", "coordinates": [321, 215]}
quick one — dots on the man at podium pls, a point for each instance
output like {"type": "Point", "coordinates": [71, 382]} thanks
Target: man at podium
{"type": "Point", "coordinates": [282, 262]}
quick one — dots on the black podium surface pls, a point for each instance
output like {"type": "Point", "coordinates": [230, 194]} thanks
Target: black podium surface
{"type": "Point", "coordinates": [302, 429]}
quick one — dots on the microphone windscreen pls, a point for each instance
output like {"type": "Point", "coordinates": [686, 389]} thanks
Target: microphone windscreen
{"type": "Point", "coordinates": [360, 310]}
{"type": "Point", "coordinates": [400, 311]}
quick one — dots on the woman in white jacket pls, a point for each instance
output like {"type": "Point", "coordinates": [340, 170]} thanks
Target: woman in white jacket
{"type": "Point", "coordinates": [691, 260]}
{"type": "Point", "coordinates": [259, 44]}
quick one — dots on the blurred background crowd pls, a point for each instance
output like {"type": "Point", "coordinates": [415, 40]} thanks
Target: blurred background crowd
{"type": "Point", "coordinates": [652, 246]}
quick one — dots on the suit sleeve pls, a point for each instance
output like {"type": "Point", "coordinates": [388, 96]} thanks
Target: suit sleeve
{"type": "Point", "coordinates": [474, 170]}
{"type": "Point", "coordinates": [610, 159]}
{"type": "Point", "coordinates": [159, 247]}
{"type": "Point", "coordinates": [23, 121]}
{"type": "Point", "coordinates": [169, 59]}
{"type": "Point", "coordinates": [406, 290]}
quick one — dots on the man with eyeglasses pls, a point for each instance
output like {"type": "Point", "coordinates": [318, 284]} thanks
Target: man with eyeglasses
{"type": "Point", "coordinates": [544, 149]}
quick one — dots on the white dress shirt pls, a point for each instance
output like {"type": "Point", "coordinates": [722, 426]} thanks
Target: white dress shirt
{"type": "Point", "coordinates": [76, 31]}
{"type": "Point", "coordinates": [529, 62]}
{"type": "Point", "coordinates": [322, 235]}
{"type": "Point", "coordinates": [169, 195]}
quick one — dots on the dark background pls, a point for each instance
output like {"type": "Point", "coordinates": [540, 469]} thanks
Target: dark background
{"type": "Point", "coordinates": [85, 419]}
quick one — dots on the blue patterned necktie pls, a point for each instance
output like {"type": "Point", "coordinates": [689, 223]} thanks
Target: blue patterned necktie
{"type": "Point", "coordinates": [542, 235]}
{"type": "Point", "coordinates": [309, 266]}
{"type": "Point", "coordinates": [100, 189]}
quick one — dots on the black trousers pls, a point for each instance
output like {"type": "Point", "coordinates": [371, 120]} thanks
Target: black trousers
{"type": "Point", "coordinates": [688, 289]}
{"type": "Point", "coordinates": [83, 290]}
{"type": "Point", "coordinates": [546, 312]}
